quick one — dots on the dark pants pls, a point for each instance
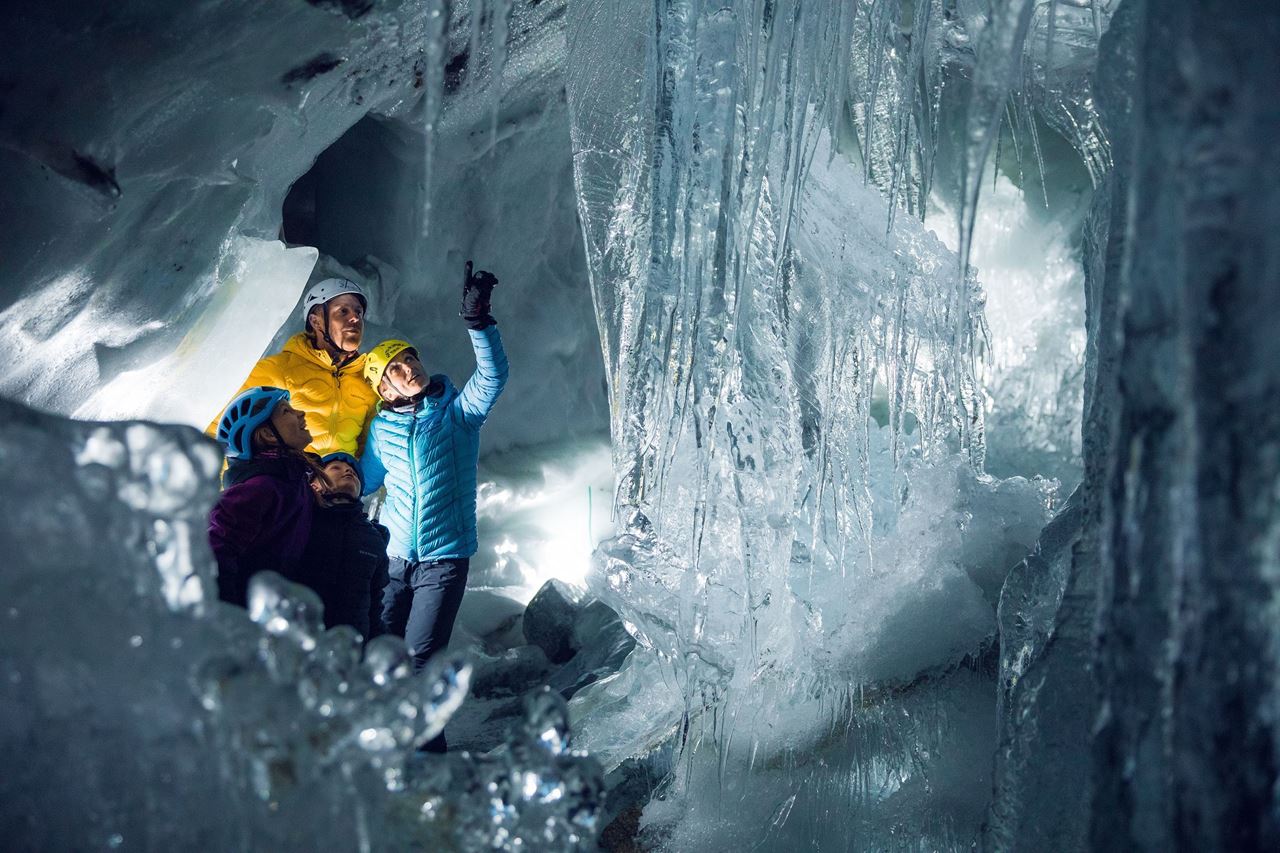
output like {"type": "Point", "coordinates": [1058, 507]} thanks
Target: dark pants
{"type": "Point", "coordinates": [420, 603]}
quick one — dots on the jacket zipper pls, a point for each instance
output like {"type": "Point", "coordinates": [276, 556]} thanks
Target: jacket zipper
{"type": "Point", "coordinates": [337, 404]}
{"type": "Point", "coordinates": [413, 484]}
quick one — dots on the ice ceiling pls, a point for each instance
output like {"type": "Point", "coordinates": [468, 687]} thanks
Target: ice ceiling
{"type": "Point", "coordinates": [858, 294]}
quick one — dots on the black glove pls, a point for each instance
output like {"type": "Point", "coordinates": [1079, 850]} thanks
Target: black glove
{"type": "Point", "coordinates": [477, 290]}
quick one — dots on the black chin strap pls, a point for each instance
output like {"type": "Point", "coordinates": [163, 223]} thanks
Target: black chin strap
{"type": "Point", "coordinates": [337, 354]}
{"type": "Point", "coordinates": [433, 387]}
{"type": "Point", "coordinates": [399, 391]}
{"type": "Point", "coordinates": [279, 438]}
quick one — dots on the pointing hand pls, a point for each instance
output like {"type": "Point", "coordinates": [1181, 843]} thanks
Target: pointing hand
{"type": "Point", "coordinates": [477, 290]}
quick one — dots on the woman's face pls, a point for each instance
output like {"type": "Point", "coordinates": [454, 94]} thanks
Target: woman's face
{"type": "Point", "coordinates": [291, 424]}
{"type": "Point", "coordinates": [404, 377]}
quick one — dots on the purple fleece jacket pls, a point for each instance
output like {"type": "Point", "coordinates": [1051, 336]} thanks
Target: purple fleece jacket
{"type": "Point", "coordinates": [261, 523]}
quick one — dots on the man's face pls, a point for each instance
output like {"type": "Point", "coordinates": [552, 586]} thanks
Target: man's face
{"type": "Point", "coordinates": [404, 377]}
{"type": "Point", "coordinates": [343, 480]}
{"type": "Point", "coordinates": [346, 321]}
{"type": "Point", "coordinates": [291, 424]}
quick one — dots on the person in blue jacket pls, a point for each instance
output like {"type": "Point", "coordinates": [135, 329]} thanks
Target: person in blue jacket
{"type": "Point", "coordinates": [423, 445]}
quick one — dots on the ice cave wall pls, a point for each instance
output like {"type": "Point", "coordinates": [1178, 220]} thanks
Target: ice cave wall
{"type": "Point", "coordinates": [329, 70]}
{"type": "Point", "coordinates": [1161, 622]}
{"type": "Point", "coordinates": [1153, 592]}
{"type": "Point", "coordinates": [146, 153]}
{"type": "Point", "coordinates": [147, 167]}
{"type": "Point", "coordinates": [1187, 748]}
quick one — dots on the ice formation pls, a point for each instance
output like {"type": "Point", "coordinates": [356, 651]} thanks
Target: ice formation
{"type": "Point", "coordinates": [149, 196]}
{"type": "Point", "coordinates": [1154, 604]}
{"type": "Point", "coordinates": [161, 719]}
{"type": "Point", "coordinates": [826, 421]}
{"type": "Point", "coordinates": [794, 568]}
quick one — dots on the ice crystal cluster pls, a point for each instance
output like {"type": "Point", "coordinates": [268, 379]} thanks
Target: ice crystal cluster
{"type": "Point", "coordinates": [161, 719]}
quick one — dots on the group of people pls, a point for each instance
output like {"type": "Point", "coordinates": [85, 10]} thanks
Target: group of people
{"type": "Point", "coordinates": [319, 425]}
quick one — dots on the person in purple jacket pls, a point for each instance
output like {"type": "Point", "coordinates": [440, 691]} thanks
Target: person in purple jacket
{"type": "Point", "coordinates": [263, 519]}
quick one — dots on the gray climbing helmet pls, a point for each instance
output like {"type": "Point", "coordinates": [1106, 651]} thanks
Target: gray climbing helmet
{"type": "Point", "coordinates": [322, 291]}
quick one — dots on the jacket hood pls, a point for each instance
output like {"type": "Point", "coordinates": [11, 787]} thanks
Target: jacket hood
{"type": "Point", "coordinates": [300, 345]}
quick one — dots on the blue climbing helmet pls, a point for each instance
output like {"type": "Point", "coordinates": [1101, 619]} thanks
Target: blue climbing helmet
{"type": "Point", "coordinates": [248, 411]}
{"type": "Point", "coordinates": [342, 456]}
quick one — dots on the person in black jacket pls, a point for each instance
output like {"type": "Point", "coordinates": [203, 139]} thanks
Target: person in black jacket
{"type": "Point", "coordinates": [345, 560]}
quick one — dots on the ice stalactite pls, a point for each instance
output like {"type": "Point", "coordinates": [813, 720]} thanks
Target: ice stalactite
{"type": "Point", "coordinates": [1048, 689]}
{"type": "Point", "coordinates": [778, 541]}
{"type": "Point", "coordinates": [1027, 56]}
{"type": "Point", "coordinates": [1060, 56]}
{"type": "Point", "coordinates": [895, 89]}
{"type": "Point", "coordinates": [916, 77]}
{"type": "Point", "coordinates": [997, 66]}
{"type": "Point", "coordinates": [481, 32]}
{"type": "Point", "coordinates": [431, 74]}
{"type": "Point", "coordinates": [1004, 63]}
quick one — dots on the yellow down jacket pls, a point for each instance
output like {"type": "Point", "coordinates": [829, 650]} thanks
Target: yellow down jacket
{"type": "Point", "coordinates": [338, 402]}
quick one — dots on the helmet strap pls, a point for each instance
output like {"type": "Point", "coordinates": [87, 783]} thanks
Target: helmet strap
{"type": "Point", "coordinates": [275, 432]}
{"type": "Point", "coordinates": [395, 386]}
{"type": "Point", "coordinates": [337, 354]}
{"type": "Point", "coordinates": [333, 345]}
{"type": "Point", "coordinates": [403, 399]}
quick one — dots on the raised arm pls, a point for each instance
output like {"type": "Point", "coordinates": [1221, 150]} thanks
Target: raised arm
{"type": "Point", "coordinates": [484, 386]}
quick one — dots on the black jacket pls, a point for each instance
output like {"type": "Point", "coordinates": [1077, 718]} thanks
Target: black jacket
{"type": "Point", "coordinates": [345, 562]}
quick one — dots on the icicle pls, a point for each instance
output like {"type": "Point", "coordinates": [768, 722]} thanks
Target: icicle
{"type": "Point", "coordinates": [744, 344]}
{"type": "Point", "coordinates": [879, 22]}
{"type": "Point", "coordinates": [501, 28]}
{"type": "Point", "coordinates": [1029, 111]}
{"type": "Point", "coordinates": [1051, 37]}
{"type": "Point", "coordinates": [478, 10]}
{"type": "Point", "coordinates": [432, 77]}
{"type": "Point", "coordinates": [999, 58]}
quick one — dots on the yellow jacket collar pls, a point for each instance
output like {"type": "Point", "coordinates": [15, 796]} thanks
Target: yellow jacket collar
{"type": "Point", "coordinates": [300, 345]}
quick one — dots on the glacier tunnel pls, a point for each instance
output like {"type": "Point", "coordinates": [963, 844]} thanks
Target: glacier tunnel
{"type": "Point", "coordinates": [889, 457]}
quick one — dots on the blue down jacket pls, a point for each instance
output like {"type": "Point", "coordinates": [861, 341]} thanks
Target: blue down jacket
{"type": "Point", "coordinates": [427, 458]}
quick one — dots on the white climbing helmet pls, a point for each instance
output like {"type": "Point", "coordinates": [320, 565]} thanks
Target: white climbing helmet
{"type": "Point", "coordinates": [322, 291]}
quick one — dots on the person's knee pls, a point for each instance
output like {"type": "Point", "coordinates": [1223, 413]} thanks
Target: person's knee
{"type": "Point", "coordinates": [420, 655]}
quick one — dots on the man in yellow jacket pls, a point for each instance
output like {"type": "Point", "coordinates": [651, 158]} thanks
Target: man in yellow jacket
{"type": "Point", "coordinates": [321, 369]}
